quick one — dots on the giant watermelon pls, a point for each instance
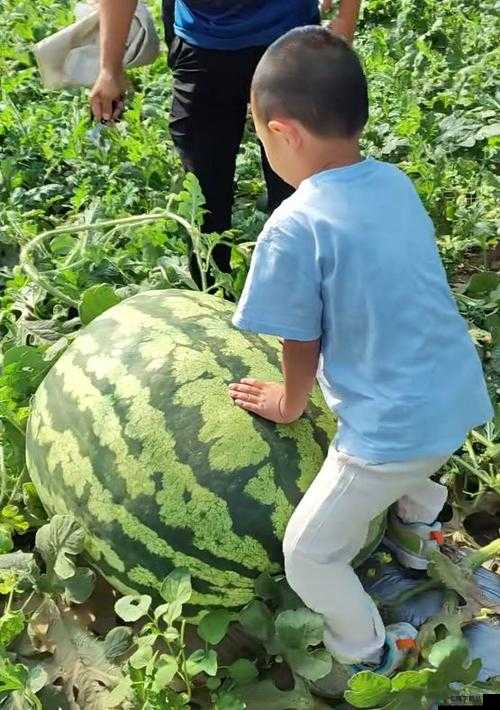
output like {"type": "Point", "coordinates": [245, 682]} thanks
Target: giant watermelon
{"type": "Point", "coordinates": [133, 432]}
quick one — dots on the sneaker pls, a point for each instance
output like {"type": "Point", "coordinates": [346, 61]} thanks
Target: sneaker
{"type": "Point", "coordinates": [412, 543]}
{"type": "Point", "coordinates": [399, 641]}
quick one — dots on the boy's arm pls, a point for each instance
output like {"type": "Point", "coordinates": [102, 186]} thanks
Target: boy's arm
{"type": "Point", "coordinates": [282, 403]}
{"type": "Point", "coordinates": [115, 19]}
{"type": "Point", "coordinates": [347, 17]}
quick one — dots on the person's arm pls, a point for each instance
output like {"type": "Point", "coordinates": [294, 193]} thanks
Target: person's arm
{"type": "Point", "coordinates": [115, 20]}
{"type": "Point", "coordinates": [282, 403]}
{"type": "Point", "coordinates": [347, 18]}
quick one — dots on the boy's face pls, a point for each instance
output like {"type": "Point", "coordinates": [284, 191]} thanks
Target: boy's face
{"type": "Point", "coordinates": [279, 139]}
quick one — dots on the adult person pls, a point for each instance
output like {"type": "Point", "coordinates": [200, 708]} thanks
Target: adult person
{"type": "Point", "coordinates": [214, 48]}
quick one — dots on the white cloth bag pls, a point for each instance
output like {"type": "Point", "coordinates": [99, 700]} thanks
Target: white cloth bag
{"type": "Point", "coordinates": [70, 57]}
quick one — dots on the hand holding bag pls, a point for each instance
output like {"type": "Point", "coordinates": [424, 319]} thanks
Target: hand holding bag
{"type": "Point", "coordinates": [70, 57]}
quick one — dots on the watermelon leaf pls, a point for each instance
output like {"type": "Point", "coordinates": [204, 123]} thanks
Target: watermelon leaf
{"type": "Point", "coordinates": [177, 586]}
{"type": "Point", "coordinates": [202, 662]}
{"type": "Point", "coordinates": [243, 671]}
{"type": "Point", "coordinates": [166, 670]}
{"type": "Point", "coordinates": [299, 629]}
{"type": "Point", "coordinates": [312, 665]}
{"type": "Point", "coordinates": [75, 659]}
{"type": "Point", "coordinates": [12, 624]}
{"type": "Point", "coordinates": [169, 612]}
{"type": "Point", "coordinates": [37, 678]}
{"type": "Point", "coordinates": [482, 283]}
{"type": "Point", "coordinates": [140, 658]}
{"type": "Point", "coordinates": [368, 690]}
{"type": "Point", "coordinates": [257, 620]}
{"type": "Point", "coordinates": [95, 300]}
{"type": "Point", "coordinates": [228, 701]}
{"type": "Point", "coordinates": [79, 587]}
{"type": "Point", "coordinates": [132, 607]}
{"type": "Point", "coordinates": [117, 642]}
{"type": "Point", "coordinates": [265, 694]}
{"type": "Point", "coordinates": [56, 541]}
{"type": "Point", "coordinates": [214, 625]}
{"type": "Point", "coordinates": [6, 543]}
{"type": "Point", "coordinates": [267, 588]}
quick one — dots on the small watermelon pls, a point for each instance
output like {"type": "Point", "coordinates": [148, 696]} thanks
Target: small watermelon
{"type": "Point", "coordinates": [134, 434]}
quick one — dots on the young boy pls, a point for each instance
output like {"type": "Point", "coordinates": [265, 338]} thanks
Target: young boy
{"type": "Point", "coordinates": [347, 272]}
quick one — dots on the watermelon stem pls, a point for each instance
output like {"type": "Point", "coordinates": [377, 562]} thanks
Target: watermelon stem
{"type": "Point", "coordinates": [27, 263]}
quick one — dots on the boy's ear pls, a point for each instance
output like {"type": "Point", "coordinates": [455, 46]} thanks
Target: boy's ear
{"type": "Point", "coordinates": [285, 130]}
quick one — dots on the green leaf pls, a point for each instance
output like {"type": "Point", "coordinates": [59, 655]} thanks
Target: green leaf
{"type": "Point", "coordinates": [412, 679]}
{"type": "Point", "coordinates": [123, 691]}
{"type": "Point", "coordinates": [58, 539]}
{"type": "Point", "coordinates": [265, 695]}
{"type": "Point", "coordinates": [481, 284]}
{"type": "Point", "coordinates": [37, 678]}
{"type": "Point", "coordinates": [213, 683]}
{"type": "Point", "coordinates": [267, 588]}
{"type": "Point", "coordinates": [26, 367]}
{"type": "Point", "coordinates": [11, 625]}
{"type": "Point", "coordinates": [141, 657]}
{"type": "Point", "coordinates": [6, 544]}
{"type": "Point", "coordinates": [62, 244]}
{"type": "Point", "coordinates": [300, 628]}
{"type": "Point", "coordinates": [80, 586]}
{"type": "Point", "coordinates": [166, 670]}
{"type": "Point", "coordinates": [202, 662]}
{"type": "Point", "coordinates": [12, 675]}
{"type": "Point", "coordinates": [177, 586]}
{"type": "Point", "coordinates": [450, 658]}
{"type": "Point", "coordinates": [243, 671]}
{"type": "Point", "coordinates": [228, 701]}
{"type": "Point", "coordinates": [9, 511]}
{"type": "Point", "coordinates": [35, 513]}
{"type": "Point", "coordinates": [8, 581]}
{"type": "Point", "coordinates": [95, 300]}
{"type": "Point", "coordinates": [257, 620]}
{"type": "Point", "coordinates": [117, 642]}
{"type": "Point", "coordinates": [171, 634]}
{"type": "Point", "coordinates": [168, 612]}
{"type": "Point", "coordinates": [133, 606]}
{"type": "Point", "coordinates": [368, 690]}
{"type": "Point", "coordinates": [214, 625]}
{"type": "Point", "coordinates": [312, 665]}
{"type": "Point", "coordinates": [452, 647]}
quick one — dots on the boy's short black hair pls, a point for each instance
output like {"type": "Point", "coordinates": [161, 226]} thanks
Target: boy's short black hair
{"type": "Point", "coordinates": [314, 77]}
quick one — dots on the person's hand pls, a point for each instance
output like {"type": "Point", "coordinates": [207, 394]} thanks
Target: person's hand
{"type": "Point", "coordinates": [339, 26]}
{"type": "Point", "coordinates": [107, 95]}
{"type": "Point", "coordinates": [267, 399]}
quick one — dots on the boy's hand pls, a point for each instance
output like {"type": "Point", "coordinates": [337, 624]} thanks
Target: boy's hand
{"type": "Point", "coordinates": [267, 399]}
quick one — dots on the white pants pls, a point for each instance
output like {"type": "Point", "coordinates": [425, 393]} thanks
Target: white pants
{"type": "Point", "coordinates": [328, 529]}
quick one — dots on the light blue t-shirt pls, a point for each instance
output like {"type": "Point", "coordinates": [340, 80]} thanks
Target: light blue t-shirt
{"type": "Point", "coordinates": [351, 258]}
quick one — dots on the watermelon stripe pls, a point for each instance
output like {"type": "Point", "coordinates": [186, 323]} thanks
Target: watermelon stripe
{"type": "Point", "coordinates": [134, 433]}
{"type": "Point", "coordinates": [77, 472]}
{"type": "Point", "coordinates": [226, 423]}
{"type": "Point", "coordinates": [177, 538]}
{"type": "Point", "coordinates": [205, 514]}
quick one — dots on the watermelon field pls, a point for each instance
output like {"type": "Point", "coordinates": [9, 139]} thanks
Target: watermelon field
{"type": "Point", "coordinates": [141, 513]}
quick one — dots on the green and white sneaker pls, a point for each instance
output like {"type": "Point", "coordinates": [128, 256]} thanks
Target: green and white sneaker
{"type": "Point", "coordinates": [400, 639]}
{"type": "Point", "coordinates": [412, 543]}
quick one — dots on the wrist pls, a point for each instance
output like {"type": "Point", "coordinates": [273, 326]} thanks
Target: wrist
{"type": "Point", "coordinates": [290, 411]}
{"type": "Point", "coordinates": [111, 69]}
